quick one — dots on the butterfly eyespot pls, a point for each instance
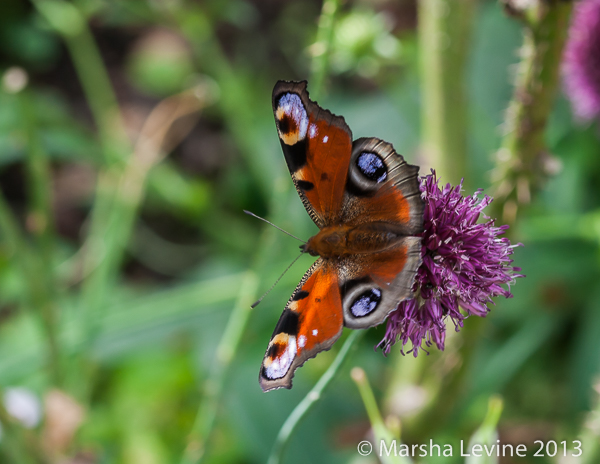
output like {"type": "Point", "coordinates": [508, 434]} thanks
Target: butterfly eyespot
{"type": "Point", "coordinates": [292, 120]}
{"type": "Point", "coordinates": [366, 302]}
{"type": "Point", "coordinates": [279, 357]}
{"type": "Point", "coordinates": [372, 167]}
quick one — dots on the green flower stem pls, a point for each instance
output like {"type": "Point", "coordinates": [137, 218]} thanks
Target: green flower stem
{"type": "Point", "coordinates": [380, 431]}
{"type": "Point", "coordinates": [38, 298]}
{"type": "Point", "coordinates": [213, 387]}
{"type": "Point", "coordinates": [520, 166]}
{"type": "Point", "coordinates": [310, 399]}
{"type": "Point", "coordinates": [487, 433]}
{"type": "Point", "coordinates": [322, 47]}
{"type": "Point", "coordinates": [444, 32]}
{"type": "Point", "coordinates": [106, 235]}
{"type": "Point", "coordinates": [70, 22]}
{"type": "Point", "coordinates": [130, 184]}
{"type": "Point", "coordinates": [41, 224]}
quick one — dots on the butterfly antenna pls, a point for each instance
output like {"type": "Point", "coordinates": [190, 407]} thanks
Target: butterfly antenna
{"type": "Point", "coordinates": [279, 228]}
{"type": "Point", "coordinates": [255, 304]}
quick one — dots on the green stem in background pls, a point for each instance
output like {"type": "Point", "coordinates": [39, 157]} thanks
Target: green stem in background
{"type": "Point", "coordinates": [38, 297]}
{"type": "Point", "coordinates": [41, 224]}
{"type": "Point", "coordinates": [107, 234]}
{"type": "Point", "coordinates": [100, 255]}
{"type": "Point", "coordinates": [67, 19]}
{"type": "Point", "coordinates": [381, 433]}
{"type": "Point", "coordinates": [444, 33]}
{"type": "Point", "coordinates": [521, 159]}
{"type": "Point", "coordinates": [121, 183]}
{"type": "Point", "coordinates": [310, 399]}
{"type": "Point", "coordinates": [321, 48]}
{"type": "Point", "coordinates": [486, 434]}
{"type": "Point", "coordinates": [225, 354]}
{"type": "Point", "coordinates": [589, 435]}
{"type": "Point", "coordinates": [444, 30]}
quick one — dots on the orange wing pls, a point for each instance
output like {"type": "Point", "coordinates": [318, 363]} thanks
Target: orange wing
{"type": "Point", "coordinates": [317, 146]}
{"type": "Point", "coordinates": [311, 322]}
{"type": "Point", "coordinates": [372, 284]}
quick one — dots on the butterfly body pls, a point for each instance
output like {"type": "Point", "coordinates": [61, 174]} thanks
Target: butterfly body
{"type": "Point", "coordinates": [343, 240]}
{"type": "Point", "coordinates": [366, 201]}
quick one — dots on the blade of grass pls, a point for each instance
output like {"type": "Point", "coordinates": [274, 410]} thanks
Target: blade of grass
{"type": "Point", "coordinates": [40, 222]}
{"type": "Point", "coordinates": [383, 436]}
{"type": "Point", "coordinates": [127, 323]}
{"type": "Point", "coordinates": [314, 395]}
{"type": "Point", "coordinates": [487, 434]}
{"type": "Point", "coordinates": [213, 388]}
{"type": "Point", "coordinates": [321, 48]}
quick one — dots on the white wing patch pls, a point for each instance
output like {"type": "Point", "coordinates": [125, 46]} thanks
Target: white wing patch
{"type": "Point", "coordinates": [301, 341]}
{"type": "Point", "coordinates": [276, 368]}
{"type": "Point", "coordinates": [291, 106]}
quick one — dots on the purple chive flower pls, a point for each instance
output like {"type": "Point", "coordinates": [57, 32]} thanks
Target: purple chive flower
{"type": "Point", "coordinates": [464, 265]}
{"type": "Point", "coordinates": [581, 64]}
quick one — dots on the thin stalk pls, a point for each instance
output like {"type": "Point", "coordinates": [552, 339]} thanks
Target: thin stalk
{"type": "Point", "coordinates": [99, 255]}
{"type": "Point", "coordinates": [321, 48]}
{"type": "Point", "coordinates": [310, 399]}
{"type": "Point", "coordinates": [521, 159]}
{"type": "Point", "coordinates": [149, 150]}
{"type": "Point", "coordinates": [383, 436]}
{"type": "Point", "coordinates": [41, 224]}
{"type": "Point", "coordinates": [225, 354]}
{"type": "Point", "coordinates": [444, 30]}
{"type": "Point", "coordinates": [444, 33]}
{"type": "Point", "coordinates": [68, 20]}
{"type": "Point", "coordinates": [37, 297]}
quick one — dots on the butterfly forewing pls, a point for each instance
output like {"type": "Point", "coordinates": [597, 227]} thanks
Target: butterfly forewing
{"type": "Point", "coordinates": [317, 147]}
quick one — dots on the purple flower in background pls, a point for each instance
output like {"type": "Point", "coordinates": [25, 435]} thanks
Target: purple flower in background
{"type": "Point", "coordinates": [464, 265]}
{"type": "Point", "coordinates": [581, 65]}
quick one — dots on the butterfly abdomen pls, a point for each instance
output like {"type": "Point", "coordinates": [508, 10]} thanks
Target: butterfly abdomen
{"type": "Point", "coordinates": [343, 240]}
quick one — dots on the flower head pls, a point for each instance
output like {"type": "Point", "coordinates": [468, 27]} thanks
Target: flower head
{"type": "Point", "coordinates": [465, 264]}
{"type": "Point", "coordinates": [581, 64]}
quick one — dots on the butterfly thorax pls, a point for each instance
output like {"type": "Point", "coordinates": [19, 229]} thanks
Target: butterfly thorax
{"type": "Point", "coordinates": [342, 240]}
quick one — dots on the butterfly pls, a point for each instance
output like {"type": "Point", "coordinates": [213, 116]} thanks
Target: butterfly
{"type": "Point", "coordinates": [366, 201]}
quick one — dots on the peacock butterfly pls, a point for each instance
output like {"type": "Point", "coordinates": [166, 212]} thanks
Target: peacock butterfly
{"type": "Point", "coordinates": [366, 201]}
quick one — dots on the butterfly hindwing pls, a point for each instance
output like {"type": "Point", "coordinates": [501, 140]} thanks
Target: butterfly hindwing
{"type": "Point", "coordinates": [381, 186]}
{"type": "Point", "coordinates": [317, 147]}
{"type": "Point", "coordinates": [372, 285]}
{"type": "Point", "coordinates": [311, 322]}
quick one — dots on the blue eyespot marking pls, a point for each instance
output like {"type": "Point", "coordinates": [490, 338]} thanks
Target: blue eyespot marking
{"type": "Point", "coordinates": [366, 302]}
{"type": "Point", "coordinates": [372, 167]}
{"type": "Point", "coordinates": [292, 118]}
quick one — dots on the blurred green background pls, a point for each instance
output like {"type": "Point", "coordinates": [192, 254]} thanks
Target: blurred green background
{"type": "Point", "coordinates": [134, 133]}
